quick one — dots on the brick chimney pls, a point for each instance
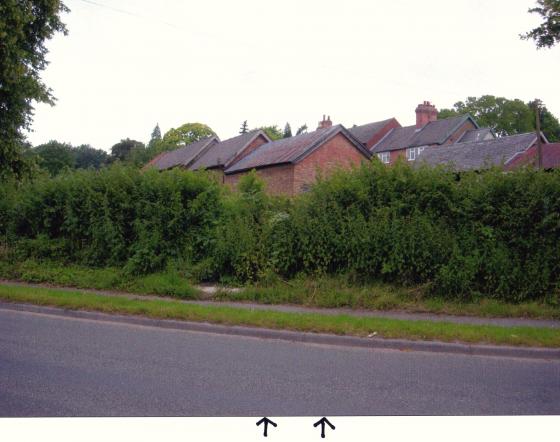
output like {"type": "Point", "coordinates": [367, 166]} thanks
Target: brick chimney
{"type": "Point", "coordinates": [425, 113]}
{"type": "Point", "coordinates": [326, 123]}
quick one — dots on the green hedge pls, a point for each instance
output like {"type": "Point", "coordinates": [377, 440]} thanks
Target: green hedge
{"type": "Point", "coordinates": [490, 234]}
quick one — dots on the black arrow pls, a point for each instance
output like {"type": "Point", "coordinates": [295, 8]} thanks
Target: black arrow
{"type": "Point", "coordinates": [323, 421]}
{"type": "Point", "coordinates": [266, 422]}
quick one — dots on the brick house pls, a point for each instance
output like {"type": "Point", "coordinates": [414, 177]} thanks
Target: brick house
{"type": "Point", "coordinates": [290, 165]}
{"type": "Point", "coordinates": [182, 157]}
{"type": "Point", "coordinates": [409, 141]}
{"type": "Point", "coordinates": [370, 134]}
{"type": "Point", "coordinates": [508, 152]}
{"type": "Point", "coordinates": [220, 156]}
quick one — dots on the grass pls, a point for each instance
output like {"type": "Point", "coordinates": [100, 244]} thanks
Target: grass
{"type": "Point", "coordinates": [327, 292]}
{"type": "Point", "coordinates": [168, 283]}
{"type": "Point", "coordinates": [333, 292]}
{"type": "Point", "coordinates": [306, 322]}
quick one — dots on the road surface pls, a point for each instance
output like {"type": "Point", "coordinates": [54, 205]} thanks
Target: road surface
{"type": "Point", "coordinates": [56, 366]}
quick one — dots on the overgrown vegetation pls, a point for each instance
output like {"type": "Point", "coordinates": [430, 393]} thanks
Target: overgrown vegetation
{"type": "Point", "coordinates": [462, 237]}
{"type": "Point", "coordinates": [316, 323]}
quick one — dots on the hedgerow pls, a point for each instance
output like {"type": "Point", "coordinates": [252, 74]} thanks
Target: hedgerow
{"type": "Point", "coordinates": [463, 236]}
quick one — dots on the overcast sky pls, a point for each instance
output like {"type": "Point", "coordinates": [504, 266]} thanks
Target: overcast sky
{"type": "Point", "coordinates": [129, 64]}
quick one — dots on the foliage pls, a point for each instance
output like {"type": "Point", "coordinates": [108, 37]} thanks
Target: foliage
{"type": "Point", "coordinates": [504, 116]}
{"type": "Point", "coordinates": [126, 148]}
{"type": "Point", "coordinates": [87, 156]}
{"type": "Point", "coordinates": [155, 137]}
{"type": "Point", "coordinates": [186, 134]}
{"type": "Point", "coordinates": [465, 237]}
{"type": "Point", "coordinates": [547, 34]}
{"type": "Point", "coordinates": [55, 157]}
{"type": "Point", "coordinates": [273, 132]}
{"type": "Point", "coordinates": [25, 25]}
{"type": "Point", "coordinates": [287, 131]}
{"type": "Point", "coordinates": [244, 128]}
{"type": "Point", "coordinates": [302, 129]}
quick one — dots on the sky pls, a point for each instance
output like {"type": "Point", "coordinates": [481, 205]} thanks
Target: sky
{"type": "Point", "coordinates": [126, 65]}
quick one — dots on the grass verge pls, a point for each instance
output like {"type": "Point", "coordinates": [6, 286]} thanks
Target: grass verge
{"type": "Point", "coordinates": [306, 322]}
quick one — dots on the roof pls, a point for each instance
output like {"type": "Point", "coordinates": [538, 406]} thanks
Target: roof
{"type": "Point", "coordinates": [221, 153]}
{"type": "Point", "coordinates": [479, 154]}
{"type": "Point", "coordinates": [435, 132]}
{"type": "Point", "coordinates": [477, 135]}
{"type": "Point", "coordinates": [292, 150]}
{"type": "Point", "coordinates": [365, 132]}
{"type": "Point", "coordinates": [183, 156]}
{"type": "Point", "coordinates": [551, 156]}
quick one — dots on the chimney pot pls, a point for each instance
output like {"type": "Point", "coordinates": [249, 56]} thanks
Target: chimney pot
{"type": "Point", "coordinates": [425, 113]}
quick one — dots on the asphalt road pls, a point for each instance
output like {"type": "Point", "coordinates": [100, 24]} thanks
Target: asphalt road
{"type": "Point", "coordinates": [55, 366]}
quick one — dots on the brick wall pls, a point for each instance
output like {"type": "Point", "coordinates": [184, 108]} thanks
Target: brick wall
{"type": "Point", "coordinates": [258, 141]}
{"type": "Point", "coordinates": [392, 124]}
{"type": "Point", "coordinates": [337, 152]}
{"type": "Point", "coordinates": [279, 179]}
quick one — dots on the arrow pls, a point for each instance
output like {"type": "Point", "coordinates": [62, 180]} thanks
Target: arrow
{"type": "Point", "coordinates": [323, 421]}
{"type": "Point", "coordinates": [266, 422]}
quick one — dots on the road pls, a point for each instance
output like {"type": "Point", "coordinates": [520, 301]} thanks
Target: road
{"type": "Point", "coordinates": [56, 366]}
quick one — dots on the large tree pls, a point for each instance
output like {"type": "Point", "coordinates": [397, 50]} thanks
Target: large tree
{"type": "Point", "coordinates": [186, 134]}
{"type": "Point", "coordinates": [155, 137]}
{"type": "Point", "coordinates": [55, 156]}
{"type": "Point", "coordinates": [87, 156]}
{"type": "Point", "coordinates": [287, 131]}
{"type": "Point", "coordinates": [125, 149]}
{"type": "Point", "coordinates": [273, 132]}
{"type": "Point", "coordinates": [25, 25]}
{"type": "Point", "coordinates": [505, 116]}
{"type": "Point", "coordinates": [547, 34]}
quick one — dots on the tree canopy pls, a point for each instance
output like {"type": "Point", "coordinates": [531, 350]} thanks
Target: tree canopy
{"type": "Point", "coordinates": [505, 116]}
{"type": "Point", "coordinates": [302, 129]}
{"type": "Point", "coordinates": [547, 34]}
{"type": "Point", "coordinates": [273, 132]}
{"type": "Point", "coordinates": [186, 134]}
{"type": "Point", "coordinates": [54, 157]}
{"type": "Point", "coordinates": [155, 137]}
{"type": "Point", "coordinates": [287, 131]}
{"type": "Point", "coordinates": [125, 148]}
{"type": "Point", "coordinates": [25, 25]}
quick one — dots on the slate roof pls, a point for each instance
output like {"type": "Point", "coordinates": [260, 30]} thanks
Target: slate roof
{"type": "Point", "coordinates": [365, 132]}
{"type": "Point", "coordinates": [221, 153]}
{"type": "Point", "coordinates": [551, 156]}
{"type": "Point", "coordinates": [477, 155]}
{"type": "Point", "coordinates": [476, 135]}
{"type": "Point", "coordinates": [435, 132]}
{"type": "Point", "coordinates": [183, 156]}
{"type": "Point", "coordinates": [292, 150]}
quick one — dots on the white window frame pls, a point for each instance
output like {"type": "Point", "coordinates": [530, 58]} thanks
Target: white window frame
{"type": "Point", "coordinates": [384, 157]}
{"type": "Point", "coordinates": [412, 153]}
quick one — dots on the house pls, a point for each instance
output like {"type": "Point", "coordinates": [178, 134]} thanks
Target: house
{"type": "Point", "coordinates": [182, 157]}
{"type": "Point", "coordinates": [409, 141]}
{"type": "Point", "coordinates": [508, 152]}
{"type": "Point", "coordinates": [550, 156]}
{"type": "Point", "coordinates": [371, 133]}
{"type": "Point", "coordinates": [290, 165]}
{"type": "Point", "coordinates": [220, 156]}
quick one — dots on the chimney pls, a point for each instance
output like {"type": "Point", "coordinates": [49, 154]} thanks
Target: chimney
{"type": "Point", "coordinates": [326, 123]}
{"type": "Point", "coordinates": [425, 113]}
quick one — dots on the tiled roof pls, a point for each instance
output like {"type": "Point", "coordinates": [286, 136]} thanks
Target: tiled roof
{"type": "Point", "coordinates": [476, 135]}
{"type": "Point", "coordinates": [183, 156]}
{"type": "Point", "coordinates": [435, 132]}
{"type": "Point", "coordinates": [477, 155]}
{"type": "Point", "coordinates": [365, 132]}
{"type": "Point", "coordinates": [219, 154]}
{"type": "Point", "coordinates": [291, 150]}
{"type": "Point", "coordinates": [551, 156]}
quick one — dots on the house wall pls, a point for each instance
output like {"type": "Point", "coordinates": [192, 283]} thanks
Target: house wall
{"type": "Point", "coordinates": [279, 179]}
{"type": "Point", "coordinates": [335, 153]}
{"type": "Point", "coordinates": [523, 158]}
{"type": "Point", "coordinates": [258, 141]}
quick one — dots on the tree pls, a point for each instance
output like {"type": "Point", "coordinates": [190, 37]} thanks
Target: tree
{"type": "Point", "coordinates": [125, 149]}
{"type": "Point", "coordinates": [54, 156]}
{"type": "Point", "coordinates": [287, 131]}
{"type": "Point", "coordinates": [155, 137]}
{"type": "Point", "coordinates": [86, 157]}
{"type": "Point", "coordinates": [548, 33]}
{"type": "Point", "coordinates": [25, 25]}
{"type": "Point", "coordinates": [302, 129]}
{"type": "Point", "coordinates": [186, 134]}
{"type": "Point", "coordinates": [273, 132]}
{"type": "Point", "coordinates": [504, 116]}
{"type": "Point", "coordinates": [244, 128]}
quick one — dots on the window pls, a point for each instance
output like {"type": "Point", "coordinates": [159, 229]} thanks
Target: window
{"type": "Point", "coordinates": [385, 157]}
{"type": "Point", "coordinates": [413, 152]}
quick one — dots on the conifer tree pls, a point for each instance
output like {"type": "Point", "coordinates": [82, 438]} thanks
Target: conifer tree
{"type": "Point", "coordinates": [287, 131]}
{"type": "Point", "coordinates": [244, 128]}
